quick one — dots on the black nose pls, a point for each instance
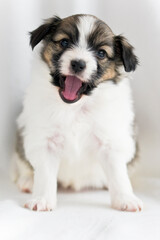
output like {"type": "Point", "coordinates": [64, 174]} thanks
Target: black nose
{"type": "Point", "coordinates": [78, 65]}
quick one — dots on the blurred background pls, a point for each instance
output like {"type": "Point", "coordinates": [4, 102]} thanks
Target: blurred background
{"type": "Point", "coordinates": [138, 20]}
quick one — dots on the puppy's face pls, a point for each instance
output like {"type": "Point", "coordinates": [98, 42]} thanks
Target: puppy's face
{"type": "Point", "coordinates": [81, 52]}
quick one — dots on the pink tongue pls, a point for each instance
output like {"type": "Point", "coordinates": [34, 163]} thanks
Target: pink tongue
{"type": "Point", "coordinates": [72, 85]}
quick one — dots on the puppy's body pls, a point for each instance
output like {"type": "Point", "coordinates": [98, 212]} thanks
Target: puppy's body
{"type": "Point", "coordinates": [84, 144]}
{"type": "Point", "coordinates": [80, 130]}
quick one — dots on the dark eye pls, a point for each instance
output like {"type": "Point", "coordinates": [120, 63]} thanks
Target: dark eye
{"type": "Point", "coordinates": [101, 54]}
{"type": "Point", "coordinates": [64, 43]}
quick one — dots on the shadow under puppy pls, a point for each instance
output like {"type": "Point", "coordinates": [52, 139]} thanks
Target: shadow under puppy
{"type": "Point", "coordinates": [76, 127]}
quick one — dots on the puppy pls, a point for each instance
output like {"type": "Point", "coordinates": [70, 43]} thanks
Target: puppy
{"type": "Point", "coordinates": [77, 123]}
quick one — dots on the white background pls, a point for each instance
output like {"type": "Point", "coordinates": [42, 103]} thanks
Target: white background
{"type": "Point", "coordinates": [138, 20]}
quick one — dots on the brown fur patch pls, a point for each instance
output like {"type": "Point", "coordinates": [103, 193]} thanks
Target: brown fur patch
{"type": "Point", "coordinates": [47, 55]}
{"type": "Point", "coordinates": [109, 74]}
{"type": "Point", "coordinates": [58, 37]}
{"type": "Point", "coordinates": [109, 50]}
{"type": "Point", "coordinates": [101, 36]}
{"type": "Point", "coordinates": [66, 29]}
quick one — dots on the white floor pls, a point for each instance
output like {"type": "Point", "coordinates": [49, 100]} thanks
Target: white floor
{"type": "Point", "coordinates": [80, 216]}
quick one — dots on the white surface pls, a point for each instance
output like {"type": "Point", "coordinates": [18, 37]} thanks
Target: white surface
{"type": "Point", "coordinates": [80, 216]}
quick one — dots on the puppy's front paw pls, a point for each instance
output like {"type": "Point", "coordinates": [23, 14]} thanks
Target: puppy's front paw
{"type": "Point", "coordinates": [126, 202]}
{"type": "Point", "coordinates": [40, 204]}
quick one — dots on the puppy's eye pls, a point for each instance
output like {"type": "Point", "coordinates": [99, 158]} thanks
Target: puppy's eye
{"type": "Point", "coordinates": [64, 43]}
{"type": "Point", "coordinates": [101, 54]}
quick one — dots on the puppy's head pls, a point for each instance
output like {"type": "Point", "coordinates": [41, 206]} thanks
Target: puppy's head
{"type": "Point", "coordinates": [81, 52]}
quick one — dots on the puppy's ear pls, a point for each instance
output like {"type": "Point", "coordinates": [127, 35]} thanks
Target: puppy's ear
{"type": "Point", "coordinates": [41, 32]}
{"type": "Point", "coordinates": [124, 52]}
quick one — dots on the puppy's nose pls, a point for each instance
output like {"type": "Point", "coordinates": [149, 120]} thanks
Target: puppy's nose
{"type": "Point", "coordinates": [78, 65]}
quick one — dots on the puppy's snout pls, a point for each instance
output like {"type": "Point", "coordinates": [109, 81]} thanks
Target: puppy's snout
{"type": "Point", "coordinates": [78, 65]}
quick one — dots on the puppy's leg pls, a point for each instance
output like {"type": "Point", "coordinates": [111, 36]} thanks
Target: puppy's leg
{"type": "Point", "coordinates": [21, 173]}
{"type": "Point", "coordinates": [122, 196]}
{"type": "Point", "coordinates": [45, 166]}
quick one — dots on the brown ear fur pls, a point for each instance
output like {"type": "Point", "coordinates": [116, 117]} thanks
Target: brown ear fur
{"type": "Point", "coordinates": [41, 32]}
{"type": "Point", "coordinates": [124, 52]}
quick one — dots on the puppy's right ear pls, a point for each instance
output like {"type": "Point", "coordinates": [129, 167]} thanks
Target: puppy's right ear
{"type": "Point", "coordinates": [41, 32]}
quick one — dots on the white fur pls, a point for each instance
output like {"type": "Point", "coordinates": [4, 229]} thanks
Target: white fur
{"type": "Point", "coordinates": [78, 53]}
{"type": "Point", "coordinates": [84, 144]}
{"type": "Point", "coordinates": [85, 27]}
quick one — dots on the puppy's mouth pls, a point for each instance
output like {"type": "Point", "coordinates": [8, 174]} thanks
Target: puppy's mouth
{"type": "Point", "coordinates": [71, 89]}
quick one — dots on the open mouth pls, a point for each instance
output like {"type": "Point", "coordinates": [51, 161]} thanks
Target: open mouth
{"type": "Point", "coordinates": [71, 89]}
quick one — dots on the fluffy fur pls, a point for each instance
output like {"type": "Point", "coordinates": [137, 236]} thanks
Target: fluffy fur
{"type": "Point", "coordinates": [89, 142]}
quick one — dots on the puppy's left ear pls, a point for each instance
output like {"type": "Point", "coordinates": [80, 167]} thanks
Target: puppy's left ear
{"type": "Point", "coordinates": [124, 53]}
